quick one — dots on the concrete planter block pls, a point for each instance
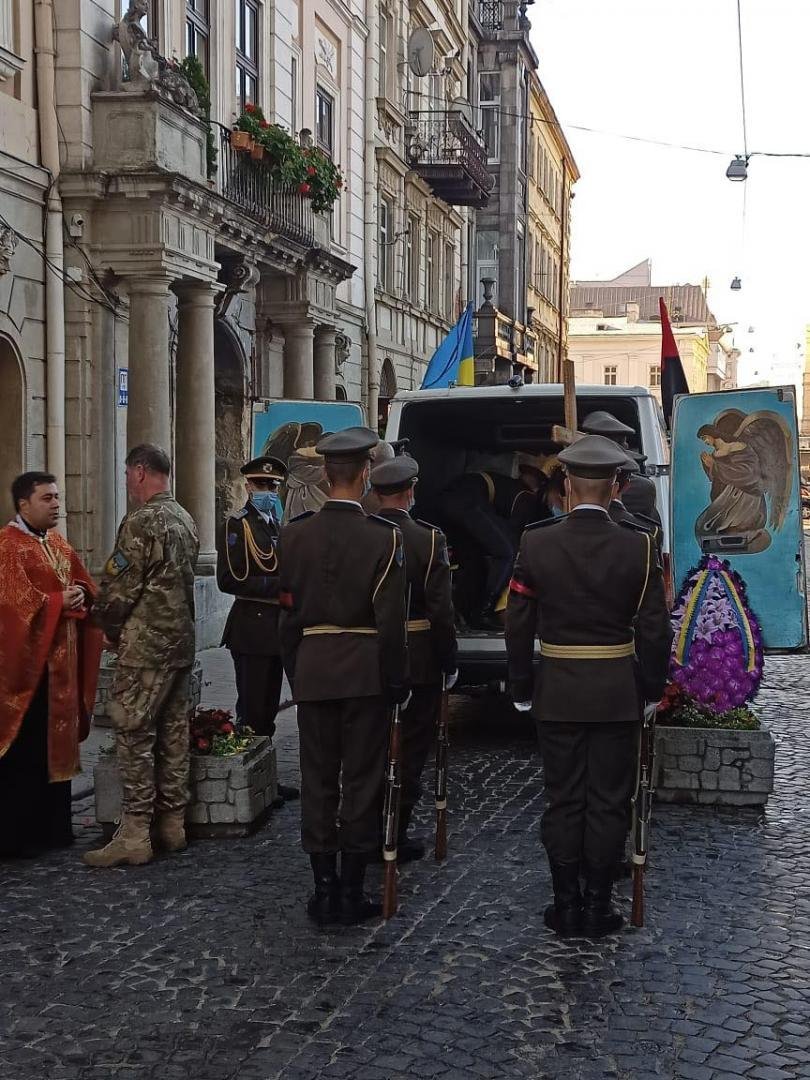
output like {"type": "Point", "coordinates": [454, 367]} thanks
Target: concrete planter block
{"type": "Point", "coordinates": [235, 803]}
{"type": "Point", "coordinates": [144, 131]}
{"type": "Point", "coordinates": [714, 766]}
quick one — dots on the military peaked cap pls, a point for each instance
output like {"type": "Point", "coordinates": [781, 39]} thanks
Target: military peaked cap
{"type": "Point", "coordinates": [395, 475]}
{"type": "Point", "coordinates": [352, 444]}
{"type": "Point", "coordinates": [594, 456]}
{"type": "Point", "coordinates": [264, 468]}
{"type": "Point", "coordinates": [604, 423]}
{"type": "Point", "coordinates": [630, 466]}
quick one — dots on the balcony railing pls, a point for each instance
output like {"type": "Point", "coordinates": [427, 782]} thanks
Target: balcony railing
{"type": "Point", "coordinates": [490, 14]}
{"type": "Point", "coordinates": [248, 183]}
{"type": "Point", "coordinates": [445, 150]}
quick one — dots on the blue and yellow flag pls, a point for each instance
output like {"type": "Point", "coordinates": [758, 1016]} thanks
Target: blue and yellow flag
{"type": "Point", "coordinates": [453, 363]}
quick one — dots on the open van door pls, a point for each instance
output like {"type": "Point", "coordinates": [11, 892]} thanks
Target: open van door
{"type": "Point", "coordinates": [735, 493]}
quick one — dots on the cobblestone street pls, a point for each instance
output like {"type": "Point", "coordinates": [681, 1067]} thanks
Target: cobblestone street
{"type": "Point", "coordinates": [203, 966]}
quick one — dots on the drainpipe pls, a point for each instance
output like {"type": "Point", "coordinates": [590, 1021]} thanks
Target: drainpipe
{"type": "Point", "coordinates": [45, 53]}
{"type": "Point", "coordinates": [372, 387]}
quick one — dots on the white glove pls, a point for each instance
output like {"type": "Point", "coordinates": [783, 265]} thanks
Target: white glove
{"type": "Point", "coordinates": [406, 702]}
{"type": "Point", "coordinates": [649, 709]}
{"type": "Point", "coordinates": [451, 680]}
{"type": "Point", "coordinates": [522, 706]}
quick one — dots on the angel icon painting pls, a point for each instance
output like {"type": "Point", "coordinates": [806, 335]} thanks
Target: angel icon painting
{"type": "Point", "coordinates": [750, 467]}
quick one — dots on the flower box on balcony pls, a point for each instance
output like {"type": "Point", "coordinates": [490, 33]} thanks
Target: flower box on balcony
{"type": "Point", "coordinates": [230, 796]}
{"type": "Point", "coordinates": [241, 140]}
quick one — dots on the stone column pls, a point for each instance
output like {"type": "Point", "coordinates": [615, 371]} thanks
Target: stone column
{"type": "Point", "coordinates": [195, 415]}
{"type": "Point", "coordinates": [298, 360]}
{"type": "Point", "coordinates": [149, 414]}
{"type": "Point", "coordinates": [324, 363]}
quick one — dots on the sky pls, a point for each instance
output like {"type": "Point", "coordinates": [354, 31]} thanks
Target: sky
{"type": "Point", "coordinates": [670, 72]}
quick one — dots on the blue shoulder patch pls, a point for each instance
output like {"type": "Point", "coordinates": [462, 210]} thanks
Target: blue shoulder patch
{"type": "Point", "coordinates": [546, 521]}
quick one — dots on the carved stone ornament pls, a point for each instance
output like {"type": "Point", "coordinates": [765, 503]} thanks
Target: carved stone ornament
{"type": "Point", "coordinates": [146, 69]}
{"type": "Point", "coordinates": [343, 346]}
{"type": "Point", "coordinates": [8, 245]}
{"type": "Point", "coordinates": [327, 54]}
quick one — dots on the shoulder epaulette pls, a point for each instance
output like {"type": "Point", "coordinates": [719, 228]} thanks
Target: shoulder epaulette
{"type": "Point", "coordinates": [647, 521]}
{"type": "Point", "coordinates": [382, 521]}
{"type": "Point", "coordinates": [237, 514]}
{"type": "Point", "coordinates": [300, 517]}
{"type": "Point", "coordinates": [427, 525]}
{"type": "Point", "coordinates": [636, 526]}
{"type": "Point", "coordinates": [546, 521]}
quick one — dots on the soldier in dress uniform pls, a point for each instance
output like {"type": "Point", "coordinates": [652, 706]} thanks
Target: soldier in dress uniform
{"type": "Point", "coordinates": [383, 451]}
{"type": "Point", "coordinates": [343, 640]}
{"type": "Point", "coordinates": [593, 593]}
{"type": "Point", "coordinates": [639, 497]}
{"type": "Point", "coordinates": [431, 632]}
{"type": "Point", "coordinates": [247, 568]}
{"type": "Point", "coordinates": [618, 512]}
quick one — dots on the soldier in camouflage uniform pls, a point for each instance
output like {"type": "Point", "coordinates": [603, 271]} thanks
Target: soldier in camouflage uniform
{"type": "Point", "coordinates": [146, 608]}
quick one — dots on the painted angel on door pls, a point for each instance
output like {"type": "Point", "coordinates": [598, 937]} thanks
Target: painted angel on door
{"type": "Point", "coordinates": [750, 467]}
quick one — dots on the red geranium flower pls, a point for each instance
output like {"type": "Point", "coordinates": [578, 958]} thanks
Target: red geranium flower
{"type": "Point", "coordinates": [250, 107]}
{"type": "Point", "coordinates": [264, 124]}
{"type": "Point", "coordinates": [203, 744]}
{"type": "Point", "coordinates": [311, 170]}
{"type": "Point", "coordinates": [304, 188]}
{"type": "Point", "coordinates": [226, 729]}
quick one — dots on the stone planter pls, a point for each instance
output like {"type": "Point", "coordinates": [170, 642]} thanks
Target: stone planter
{"type": "Point", "coordinates": [714, 766]}
{"type": "Point", "coordinates": [230, 796]}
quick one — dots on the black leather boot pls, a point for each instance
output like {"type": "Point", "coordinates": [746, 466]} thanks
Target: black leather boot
{"type": "Point", "coordinates": [324, 904]}
{"type": "Point", "coordinates": [409, 849]}
{"type": "Point", "coordinates": [599, 917]}
{"type": "Point", "coordinates": [564, 916]}
{"type": "Point", "coordinates": [354, 906]}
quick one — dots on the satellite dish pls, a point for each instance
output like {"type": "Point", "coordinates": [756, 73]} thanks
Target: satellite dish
{"type": "Point", "coordinates": [463, 108]}
{"type": "Point", "coordinates": [421, 52]}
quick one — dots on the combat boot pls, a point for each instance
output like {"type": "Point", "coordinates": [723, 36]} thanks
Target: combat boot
{"type": "Point", "coordinates": [324, 904]}
{"type": "Point", "coordinates": [599, 917]}
{"type": "Point", "coordinates": [130, 845]}
{"type": "Point", "coordinates": [564, 916]}
{"type": "Point", "coordinates": [170, 830]}
{"type": "Point", "coordinates": [355, 907]}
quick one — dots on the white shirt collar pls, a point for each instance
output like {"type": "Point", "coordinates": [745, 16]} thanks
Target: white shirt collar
{"type": "Point", "coordinates": [589, 506]}
{"type": "Point", "coordinates": [350, 502]}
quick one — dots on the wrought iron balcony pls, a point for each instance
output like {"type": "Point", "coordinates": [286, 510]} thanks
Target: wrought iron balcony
{"type": "Point", "coordinates": [449, 155]}
{"type": "Point", "coordinates": [249, 183]}
{"type": "Point", "coordinates": [490, 14]}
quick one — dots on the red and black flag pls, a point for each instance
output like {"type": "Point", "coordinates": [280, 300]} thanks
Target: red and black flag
{"type": "Point", "coordinates": [673, 380]}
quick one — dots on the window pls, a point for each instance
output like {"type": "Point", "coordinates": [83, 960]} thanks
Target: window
{"type": "Point", "coordinates": [611, 372]}
{"type": "Point", "coordinates": [486, 261]}
{"type": "Point", "coordinates": [519, 311]}
{"type": "Point", "coordinates": [449, 280]}
{"type": "Point", "coordinates": [197, 31]}
{"type": "Point", "coordinates": [247, 52]}
{"type": "Point", "coordinates": [489, 98]}
{"type": "Point", "coordinates": [531, 152]}
{"type": "Point", "coordinates": [412, 260]}
{"type": "Point", "coordinates": [324, 120]}
{"type": "Point", "coordinates": [655, 375]}
{"type": "Point", "coordinates": [432, 270]}
{"type": "Point", "coordinates": [294, 95]}
{"type": "Point", "coordinates": [382, 57]}
{"type": "Point", "coordinates": [385, 240]}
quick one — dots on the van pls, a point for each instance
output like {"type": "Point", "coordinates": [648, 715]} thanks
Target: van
{"type": "Point", "coordinates": [459, 429]}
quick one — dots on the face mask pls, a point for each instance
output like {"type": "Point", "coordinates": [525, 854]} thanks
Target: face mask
{"type": "Point", "coordinates": [263, 501]}
{"type": "Point", "coordinates": [278, 507]}
{"type": "Point", "coordinates": [557, 512]}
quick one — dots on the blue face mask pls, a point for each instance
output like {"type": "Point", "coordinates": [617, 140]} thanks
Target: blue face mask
{"type": "Point", "coordinates": [557, 512]}
{"type": "Point", "coordinates": [264, 501]}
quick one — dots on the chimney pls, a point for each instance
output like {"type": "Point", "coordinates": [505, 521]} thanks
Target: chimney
{"type": "Point", "coordinates": [632, 310]}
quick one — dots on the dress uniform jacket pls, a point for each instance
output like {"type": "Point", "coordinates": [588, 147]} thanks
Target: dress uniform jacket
{"type": "Point", "coordinates": [618, 512]}
{"type": "Point", "coordinates": [592, 592]}
{"type": "Point", "coordinates": [639, 498]}
{"type": "Point", "coordinates": [431, 627]}
{"type": "Point", "coordinates": [342, 591]}
{"type": "Point", "coordinates": [247, 568]}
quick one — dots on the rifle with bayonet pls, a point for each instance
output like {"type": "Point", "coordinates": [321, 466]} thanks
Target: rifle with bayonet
{"type": "Point", "coordinates": [642, 810]}
{"type": "Point", "coordinates": [393, 797]}
{"type": "Point", "coordinates": [442, 747]}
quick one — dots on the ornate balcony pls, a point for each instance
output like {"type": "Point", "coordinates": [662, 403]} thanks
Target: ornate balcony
{"type": "Point", "coordinates": [443, 148]}
{"type": "Point", "coordinates": [490, 14]}
{"type": "Point", "coordinates": [249, 184]}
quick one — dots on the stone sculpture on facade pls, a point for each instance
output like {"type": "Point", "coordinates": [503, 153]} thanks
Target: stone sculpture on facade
{"type": "Point", "coordinates": [146, 69]}
{"type": "Point", "coordinates": [343, 346]}
{"type": "Point", "coordinates": [8, 245]}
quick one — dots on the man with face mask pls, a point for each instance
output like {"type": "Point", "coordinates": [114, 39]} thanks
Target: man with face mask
{"type": "Point", "coordinates": [247, 567]}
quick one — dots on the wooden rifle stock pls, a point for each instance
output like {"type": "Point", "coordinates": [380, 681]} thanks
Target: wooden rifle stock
{"type": "Point", "coordinates": [393, 791]}
{"type": "Point", "coordinates": [642, 812]}
{"type": "Point", "coordinates": [637, 912]}
{"type": "Point", "coordinates": [442, 745]}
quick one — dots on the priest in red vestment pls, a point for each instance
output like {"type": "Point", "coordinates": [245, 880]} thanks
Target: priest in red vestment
{"type": "Point", "coordinates": [49, 658]}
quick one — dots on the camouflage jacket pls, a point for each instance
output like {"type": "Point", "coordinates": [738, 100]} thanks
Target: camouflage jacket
{"type": "Point", "coordinates": [146, 600]}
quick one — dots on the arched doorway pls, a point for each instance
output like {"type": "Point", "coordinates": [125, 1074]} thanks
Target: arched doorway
{"type": "Point", "coordinates": [388, 388]}
{"type": "Point", "coordinates": [12, 423]}
{"type": "Point", "coordinates": [232, 422]}
{"type": "Point", "coordinates": [340, 393]}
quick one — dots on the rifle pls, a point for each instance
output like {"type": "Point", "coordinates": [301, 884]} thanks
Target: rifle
{"type": "Point", "coordinates": [393, 795]}
{"type": "Point", "coordinates": [442, 746]}
{"type": "Point", "coordinates": [642, 811]}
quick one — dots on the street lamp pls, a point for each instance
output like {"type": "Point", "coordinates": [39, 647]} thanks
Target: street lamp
{"type": "Point", "coordinates": [738, 169]}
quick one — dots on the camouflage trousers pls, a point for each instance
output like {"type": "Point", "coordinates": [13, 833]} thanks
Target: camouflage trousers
{"type": "Point", "coordinates": [149, 710]}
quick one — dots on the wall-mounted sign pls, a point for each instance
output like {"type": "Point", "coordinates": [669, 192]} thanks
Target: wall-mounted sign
{"type": "Point", "coordinates": [123, 387]}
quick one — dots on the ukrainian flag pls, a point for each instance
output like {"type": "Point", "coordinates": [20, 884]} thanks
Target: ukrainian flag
{"type": "Point", "coordinates": [453, 363]}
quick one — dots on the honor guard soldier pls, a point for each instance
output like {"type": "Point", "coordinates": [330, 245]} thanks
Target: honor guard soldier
{"type": "Point", "coordinates": [639, 497]}
{"type": "Point", "coordinates": [593, 593]}
{"type": "Point", "coordinates": [431, 632]}
{"type": "Point", "coordinates": [343, 640]}
{"type": "Point", "coordinates": [618, 512]}
{"type": "Point", "coordinates": [247, 568]}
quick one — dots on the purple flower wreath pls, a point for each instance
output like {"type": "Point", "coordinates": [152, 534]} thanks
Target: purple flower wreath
{"type": "Point", "coordinates": [717, 652]}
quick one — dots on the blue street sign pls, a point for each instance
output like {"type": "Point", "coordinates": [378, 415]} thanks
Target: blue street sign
{"type": "Point", "coordinates": [123, 386]}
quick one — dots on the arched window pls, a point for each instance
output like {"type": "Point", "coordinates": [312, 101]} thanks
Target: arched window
{"type": "Point", "coordinates": [388, 388]}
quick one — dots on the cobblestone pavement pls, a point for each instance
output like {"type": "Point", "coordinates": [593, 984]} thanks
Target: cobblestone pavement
{"type": "Point", "coordinates": [202, 966]}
